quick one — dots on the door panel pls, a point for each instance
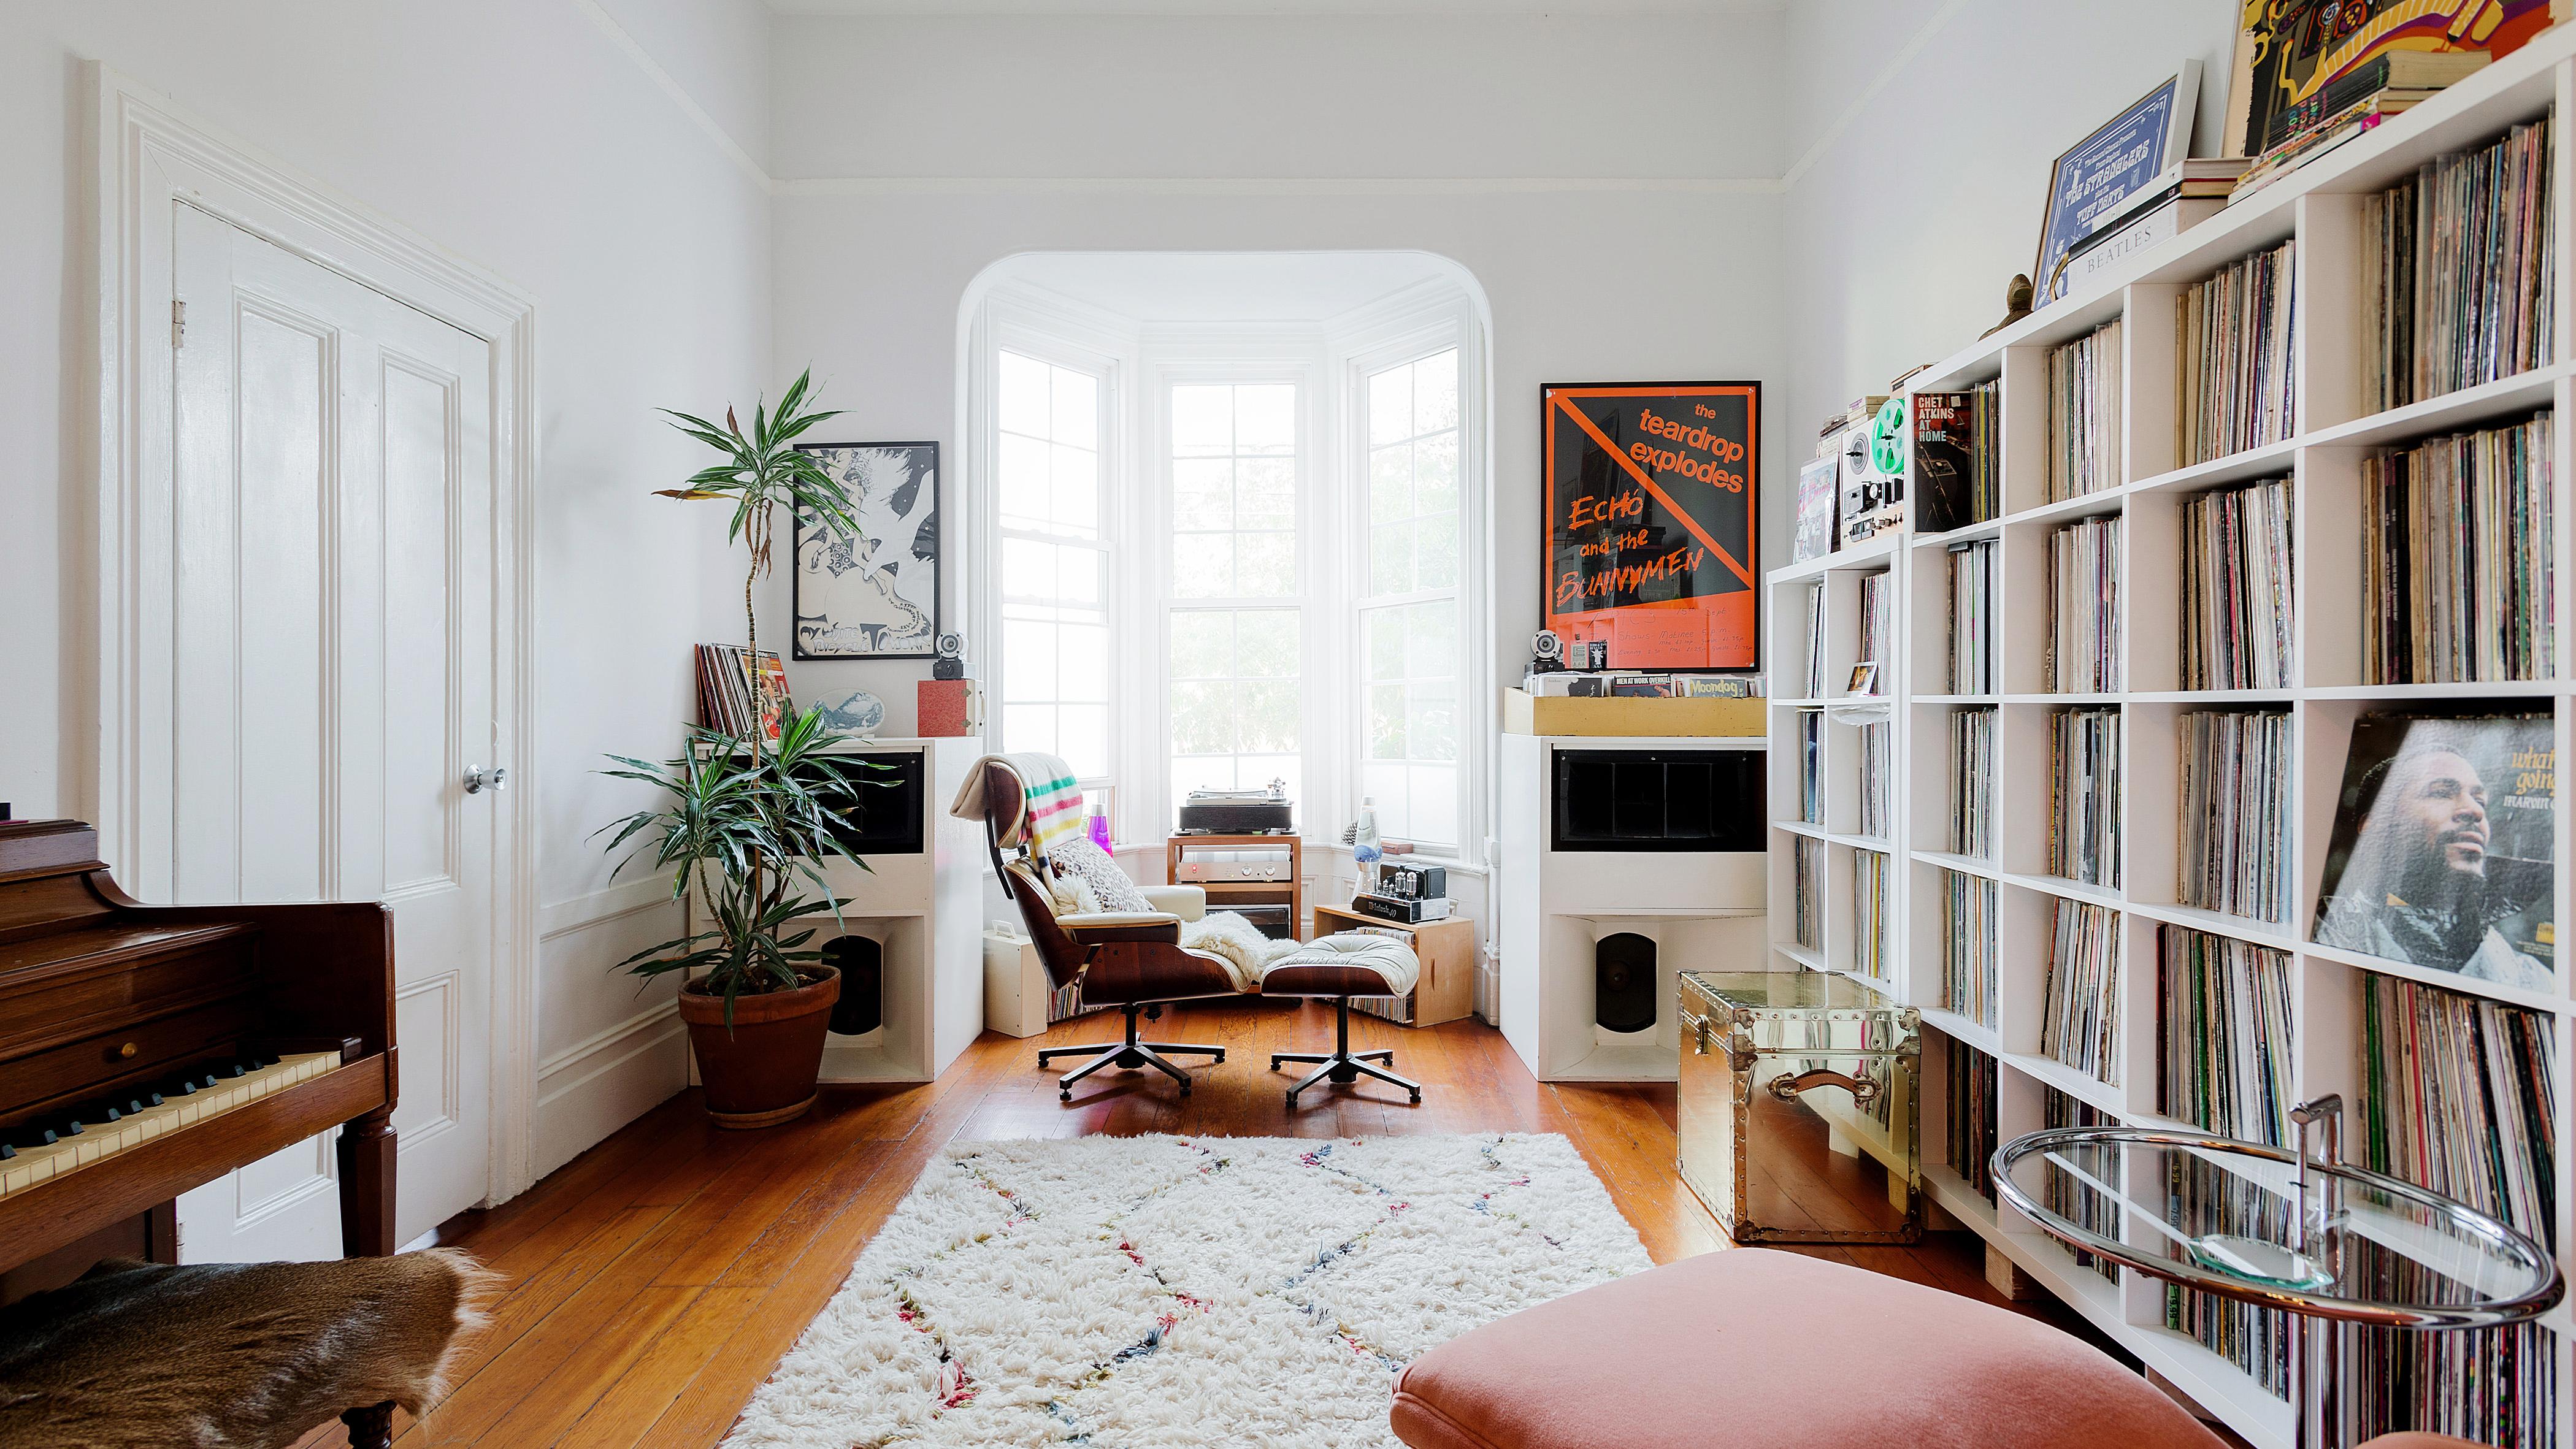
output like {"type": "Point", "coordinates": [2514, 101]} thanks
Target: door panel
{"type": "Point", "coordinates": [329, 680]}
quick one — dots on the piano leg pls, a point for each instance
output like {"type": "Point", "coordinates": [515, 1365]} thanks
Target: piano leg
{"type": "Point", "coordinates": [371, 1427]}
{"type": "Point", "coordinates": [367, 1191]}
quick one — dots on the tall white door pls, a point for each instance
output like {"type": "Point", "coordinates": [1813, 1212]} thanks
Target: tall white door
{"type": "Point", "coordinates": [325, 648]}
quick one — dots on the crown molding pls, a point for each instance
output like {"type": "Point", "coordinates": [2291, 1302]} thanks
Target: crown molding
{"type": "Point", "coordinates": [823, 186]}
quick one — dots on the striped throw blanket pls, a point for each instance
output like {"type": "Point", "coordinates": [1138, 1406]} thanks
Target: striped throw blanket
{"type": "Point", "coordinates": [1054, 811]}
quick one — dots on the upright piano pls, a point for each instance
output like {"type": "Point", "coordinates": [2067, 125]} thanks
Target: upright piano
{"type": "Point", "coordinates": [145, 1050]}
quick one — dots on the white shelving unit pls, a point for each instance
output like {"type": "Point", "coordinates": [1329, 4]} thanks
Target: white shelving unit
{"type": "Point", "coordinates": [2320, 206]}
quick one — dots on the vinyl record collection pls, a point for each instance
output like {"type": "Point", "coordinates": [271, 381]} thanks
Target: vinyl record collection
{"type": "Point", "coordinates": [2082, 1028]}
{"type": "Point", "coordinates": [1972, 1118]}
{"type": "Point", "coordinates": [1811, 742]}
{"type": "Point", "coordinates": [2236, 587]}
{"type": "Point", "coordinates": [2084, 612]}
{"type": "Point", "coordinates": [725, 694]}
{"type": "Point", "coordinates": [2455, 541]}
{"type": "Point", "coordinates": [1807, 894]}
{"type": "Point", "coordinates": [2490, 1386]}
{"type": "Point", "coordinates": [2256, 1340]}
{"type": "Point", "coordinates": [1815, 642]}
{"type": "Point", "coordinates": [1877, 780]}
{"type": "Point", "coordinates": [2062, 1194]}
{"type": "Point", "coordinates": [1968, 946]}
{"type": "Point", "coordinates": [2223, 1057]}
{"type": "Point", "coordinates": [1972, 782]}
{"type": "Point", "coordinates": [1972, 617]}
{"type": "Point", "coordinates": [2084, 414]}
{"type": "Point", "coordinates": [2457, 1095]}
{"type": "Point", "coordinates": [2456, 261]}
{"type": "Point", "coordinates": [1875, 632]}
{"type": "Point", "coordinates": [2232, 847]}
{"type": "Point", "coordinates": [2232, 385]}
{"type": "Point", "coordinates": [2084, 795]}
{"type": "Point", "coordinates": [1869, 914]}
{"type": "Point", "coordinates": [1986, 471]}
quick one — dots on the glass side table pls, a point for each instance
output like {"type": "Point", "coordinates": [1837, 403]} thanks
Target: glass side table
{"type": "Point", "coordinates": [2326, 1243]}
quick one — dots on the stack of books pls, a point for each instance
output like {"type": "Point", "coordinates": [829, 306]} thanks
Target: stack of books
{"type": "Point", "coordinates": [2082, 1027]}
{"type": "Point", "coordinates": [2084, 612]}
{"type": "Point", "coordinates": [2456, 537]}
{"type": "Point", "coordinates": [2084, 795]}
{"type": "Point", "coordinates": [2236, 587]}
{"type": "Point", "coordinates": [2223, 1058]}
{"type": "Point", "coordinates": [2352, 105]}
{"type": "Point", "coordinates": [2456, 267]}
{"type": "Point", "coordinates": [1968, 979]}
{"type": "Point", "coordinates": [2185, 195]}
{"type": "Point", "coordinates": [2084, 414]}
{"type": "Point", "coordinates": [2233, 844]}
{"type": "Point", "coordinates": [2232, 356]}
{"type": "Point", "coordinates": [1972, 1118]}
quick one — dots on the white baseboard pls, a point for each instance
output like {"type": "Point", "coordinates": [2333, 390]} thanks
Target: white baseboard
{"type": "Point", "coordinates": [596, 1086]}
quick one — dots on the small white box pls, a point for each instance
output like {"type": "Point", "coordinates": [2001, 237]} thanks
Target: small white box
{"type": "Point", "coordinates": [1016, 988]}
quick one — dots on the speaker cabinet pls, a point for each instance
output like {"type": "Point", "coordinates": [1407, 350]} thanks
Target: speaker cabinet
{"type": "Point", "coordinates": [1623, 982]}
{"type": "Point", "coordinates": [862, 963]}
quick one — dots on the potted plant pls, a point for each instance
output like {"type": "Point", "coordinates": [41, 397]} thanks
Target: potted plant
{"type": "Point", "coordinates": [748, 823]}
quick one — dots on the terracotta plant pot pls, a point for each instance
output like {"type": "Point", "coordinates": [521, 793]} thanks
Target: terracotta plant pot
{"type": "Point", "coordinates": [761, 1071]}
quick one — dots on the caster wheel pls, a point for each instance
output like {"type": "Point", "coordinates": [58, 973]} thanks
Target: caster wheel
{"type": "Point", "coordinates": [1185, 1089]}
{"type": "Point", "coordinates": [1390, 1061]}
{"type": "Point", "coordinates": [1274, 1064]}
{"type": "Point", "coordinates": [1064, 1096]}
{"type": "Point", "coordinates": [1219, 1058]}
{"type": "Point", "coordinates": [1417, 1099]}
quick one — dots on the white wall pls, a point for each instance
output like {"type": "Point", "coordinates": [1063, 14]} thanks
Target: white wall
{"type": "Point", "coordinates": [915, 152]}
{"type": "Point", "coordinates": [1921, 144]}
{"type": "Point", "coordinates": [525, 136]}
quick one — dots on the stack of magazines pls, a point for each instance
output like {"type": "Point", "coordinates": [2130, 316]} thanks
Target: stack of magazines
{"type": "Point", "coordinates": [2457, 266]}
{"type": "Point", "coordinates": [2084, 607]}
{"type": "Point", "coordinates": [2082, 1027]}
{"type": "Point", "coordinates": [1972, 617]}
{"type": "Point", "coordinates": [1968, 981]}
{"type": "Point", "coordinates": [2084, 795]}
{"type": "Point", "coordinates": [2084, 414]}
{"type": "Point", "coordinates": [1972, 783]}
{"type": "Point", "coordinates": [2455, 558]}
{"type": "Point", "coordinates": [2233, 851]}
{"type": "Point", "coordinates": [2236, 587]}
{"type": "Point", "coordinates": [2223, 1058]}
{"type": "Point", "coordinates": [2232, 356]}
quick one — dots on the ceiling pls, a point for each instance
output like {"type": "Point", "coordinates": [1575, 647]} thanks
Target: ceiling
{"type": "Point", "coordinates": [1225, 286]}
{"type": "Point", "coordinates": [1276, 7]}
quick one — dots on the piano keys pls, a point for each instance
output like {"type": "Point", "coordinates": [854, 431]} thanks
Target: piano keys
{"type": "Point", "coordinates": [145, 1050]}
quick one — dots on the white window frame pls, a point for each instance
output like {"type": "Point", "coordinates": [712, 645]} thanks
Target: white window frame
{"type": "Point", "coordinates": [1392, 335]}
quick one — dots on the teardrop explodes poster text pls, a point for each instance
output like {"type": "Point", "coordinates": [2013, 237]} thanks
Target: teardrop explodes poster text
{"type": "Point", "coordinates": [1652, 499]}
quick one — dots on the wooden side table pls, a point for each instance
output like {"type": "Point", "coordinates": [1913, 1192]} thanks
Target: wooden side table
{"type": "Point", "coordinates": [1446, 990]}
{"type": "Point", "coordinates": [1222, 894]}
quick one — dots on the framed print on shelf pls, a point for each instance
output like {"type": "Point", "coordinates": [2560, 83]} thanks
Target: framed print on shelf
{"type": "Point", "coordinates": [874, 595]}
{"type": "Point", "coordinates": [1653, 503]}
{"type": "Point", "coordinates": [2094, 183]}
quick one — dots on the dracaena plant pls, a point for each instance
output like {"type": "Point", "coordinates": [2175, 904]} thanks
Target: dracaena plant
{"type": "Point", "coordinates": [750, 835]}
{"type": "Point", "coordinates": [761, 472]}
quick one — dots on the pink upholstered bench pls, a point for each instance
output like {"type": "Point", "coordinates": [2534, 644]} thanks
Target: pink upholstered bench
{"type": "Point", "coordinates": [1772, 1350]}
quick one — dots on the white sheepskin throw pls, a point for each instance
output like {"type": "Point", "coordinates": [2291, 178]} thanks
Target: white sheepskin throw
{"type": "Point", "coordinates": [1181, 1293]}
{"type": "Point", "coordinates": [1245, 949]}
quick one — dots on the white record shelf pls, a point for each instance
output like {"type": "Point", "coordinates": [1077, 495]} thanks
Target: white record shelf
{"type": "Point", "coordinates": [2320, 205]}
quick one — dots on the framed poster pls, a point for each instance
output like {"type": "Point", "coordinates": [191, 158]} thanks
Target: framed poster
{"type": "Point", "coordinates": [1653, 508]}
{"type": "Point", "coordinates": [2300, 60]}
{"type": "Point", "coordinates": [874, 595]}
{"type": "Point", "coordinates": [2093, 184]}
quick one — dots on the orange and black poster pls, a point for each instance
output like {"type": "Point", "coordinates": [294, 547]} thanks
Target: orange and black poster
{"type": "Point", "coordinates": [1651, 519]}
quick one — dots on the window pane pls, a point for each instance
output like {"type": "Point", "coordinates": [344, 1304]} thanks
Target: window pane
{"type": "Point", "coordinates": [1024, 481]}
{"type": "Point", "coordinates": [1435, 474]}
{"type": "Point", "coordinates": [1202, 565]}
{"type": "Point", "coordinates": [1082, 738]}
{"type": "Point", "coordinates": [1202, 717]}
{"type": "Point", "coordinates": [1077, 408]}
{"type": "Point", "coordinates": [1202, 493]}
{"type": "Point", "coordinates": [1025, 401]}
{"type": "Point", "coordinates": [1028, 569]}
{"type": "Point", "coordinates": [1433, 802]}
{"type": "Point", "coordinates": [1265, 716]}
{"type": "Point", "coordinates": [1077, 575]}
{"type": "Point", "coordinates": [1430, 639]}
{"type": "Point", "coordinates": [1028, 660]}
{"type": "Point", "coordinates": [1082, 663]}
{"type": "Point", "coordinates": [1390, 406]}
{"type": "Point", "coordinates": [1386, 721]}
{"type": "Point", "coordinates": [1076, 477]}
{"type": "Point", "coordinates": [1265, 493]}
{"type": "Point", "coordinates": [1265, 644]}
{"type": "Point", "coordinates": [1391, 559]}
{"type": "Point", "coordinates": [1435, 392]}
{"type": "Point", "coordinates": [1384, 631]}
{"type": "Point", "coordinates": [1202, 644]}
{"type": "Point", "coordinates": [1265, 565]}
{"type": "Point", "coordinates": [1431, 721]}
{"type": "Point", "coordinates": [1265, 419]}
{"type": "Point", "coordinates": [1029, 727]}
{"type": "Point", "coordinates": [1202, 421]}
{"type": "Point", "coordinates": [1435, 553]}
{"type": "Point", "coordinates": [1390, 483]}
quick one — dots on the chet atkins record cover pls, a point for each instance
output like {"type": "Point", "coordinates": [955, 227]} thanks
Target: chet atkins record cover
{"type": "Point", "coordinates": [1652, 496]}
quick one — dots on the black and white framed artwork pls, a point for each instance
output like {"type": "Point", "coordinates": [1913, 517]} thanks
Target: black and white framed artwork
{"type": "Point", "coordinates": [876, 595]}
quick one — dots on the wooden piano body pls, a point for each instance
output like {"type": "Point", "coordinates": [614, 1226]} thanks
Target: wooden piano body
{"type": "Point", "coordinates": [104, 1000]}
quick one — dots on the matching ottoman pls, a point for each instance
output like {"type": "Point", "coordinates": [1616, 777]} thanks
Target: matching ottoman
{"type": "Point", "coordinates": [1353, 963]}
{"type": "Point", "coordinates": [1751, 1346]}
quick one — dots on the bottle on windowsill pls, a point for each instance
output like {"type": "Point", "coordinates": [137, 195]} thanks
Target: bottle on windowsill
{"type": "Point", "coordinates": [1365, 853]}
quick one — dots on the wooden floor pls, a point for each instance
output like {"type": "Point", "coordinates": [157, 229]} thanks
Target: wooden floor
{"type": "Point", "coordinates": [656, 1279]}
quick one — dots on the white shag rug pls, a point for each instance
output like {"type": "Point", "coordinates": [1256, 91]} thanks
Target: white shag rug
{"type": "Point", "coordinates": [1182, 1292]}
